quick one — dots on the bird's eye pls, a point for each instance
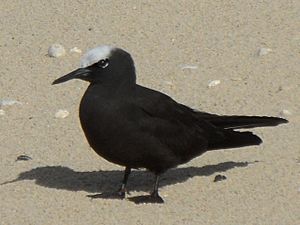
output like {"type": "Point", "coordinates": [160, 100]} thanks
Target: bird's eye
{"type": "Point", "coordinates": [103, 63]}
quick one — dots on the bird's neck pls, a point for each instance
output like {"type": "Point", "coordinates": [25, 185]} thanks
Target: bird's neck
{"type": "Point", "coordinates": [116, 82]}
{"type": "Point", "coordinates": [109, 90]}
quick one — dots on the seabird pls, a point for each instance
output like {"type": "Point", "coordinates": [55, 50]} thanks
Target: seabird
{"type": "Point", "coordinates": [138, 127]}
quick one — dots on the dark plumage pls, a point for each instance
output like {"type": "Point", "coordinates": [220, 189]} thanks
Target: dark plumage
{"type": "Point", "coordinates": [137, 127]}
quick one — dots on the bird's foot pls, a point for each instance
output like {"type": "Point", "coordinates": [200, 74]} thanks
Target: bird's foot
{"type": "Point", "coordinates": [152, 198]}
{"type": "Point", "coordinates": [111, 195]}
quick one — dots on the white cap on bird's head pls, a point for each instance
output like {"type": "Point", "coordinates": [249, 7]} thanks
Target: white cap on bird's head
{"type": "Point", "coordinates": [95, 55]}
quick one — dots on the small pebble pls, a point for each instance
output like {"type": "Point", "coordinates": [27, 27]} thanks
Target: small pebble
{"type": "Point", "coordinates": [191, 67]}
{"type": "Point", "coordinates": [286, 88]}
{"type": "Point", "coordinates": [219, 177]}
{"type": "Point", "coordinates": [8, 102]}
{"type": "Point", "coordinates": [170, 84]}
{"type": "Point", "coordinates": [2, 112]}
{"type": "Point", "coordinates": [75, 50]}
{"type": "Point", "coordinates": [23, 158]}
{"type": "Point", "coordinates": [56, 50]}
{"type": "Point", "coordinates": [264, 51]}
{"type": "Point", "coordinates": [213, 83]}
{"type": "Point", "coordinates": [236, 79]}
{"type": "Point", "coordinates": [61, 113]}
{"type": "Point", "coordinates": [285, 112]}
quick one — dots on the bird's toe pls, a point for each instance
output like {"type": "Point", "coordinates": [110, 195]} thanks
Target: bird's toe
{"type": "Point", "coordinates": [108, 195]}
{"type": "Point", "coordinates": [145, 199]}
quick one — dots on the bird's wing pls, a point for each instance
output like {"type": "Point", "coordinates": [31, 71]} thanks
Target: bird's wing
{"type": "Point", "coordinates": [165, 106]}
{"type": "Point", "coordinates": [162, 106]}
{"type": "Point", "coordinates": [175, 125]}
{"type": "Point", "coordinates": [185, 140]}
{"type": "Point", "coordinates": [172, 123]}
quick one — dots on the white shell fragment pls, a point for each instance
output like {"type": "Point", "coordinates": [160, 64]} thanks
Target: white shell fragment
{"type": "Point", "coordinates": [75, 50]}
{"type": "Point", "coordinates": [61, 114]}
{"type": "Point", "coordinates": [8, 102]}
{"type": "Point", "coordinates": [191, 67]}
{"type": "Point", "coordinates": [56, 50]}
{"type": "Point", "coordinates": [2, 112]}
{"type": "Point", "coordinates": [213, 83]}
{"type": "Point", "coordinates": [264, 51]}
{"type": "Point", "coordinates": [285, 112]}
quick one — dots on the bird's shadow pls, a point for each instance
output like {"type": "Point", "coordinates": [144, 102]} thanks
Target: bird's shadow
{"type": "Point", "coordinates": [64, 178]}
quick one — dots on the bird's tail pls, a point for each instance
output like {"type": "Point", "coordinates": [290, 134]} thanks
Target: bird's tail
{"type": "Point", "coordinates": [234, 139]}
{"type": "Point", "coordinates": [240, 122]}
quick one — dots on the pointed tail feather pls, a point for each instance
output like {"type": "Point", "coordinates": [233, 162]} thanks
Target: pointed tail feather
{"type": "Point", "coordinates": [234, 139]}
{"type": "Point", "coordinates": [240, 122]}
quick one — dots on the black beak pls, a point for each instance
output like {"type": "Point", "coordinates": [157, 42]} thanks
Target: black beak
{"type": "Point", "coordinates": [76, 74]}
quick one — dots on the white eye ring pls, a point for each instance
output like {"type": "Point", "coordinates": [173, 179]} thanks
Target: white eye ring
{"type": "Point", "coordinates": [103, 63]}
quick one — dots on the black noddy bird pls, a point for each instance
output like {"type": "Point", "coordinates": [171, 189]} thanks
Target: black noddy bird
{"type": "Point", "coordinates": [138, 127]}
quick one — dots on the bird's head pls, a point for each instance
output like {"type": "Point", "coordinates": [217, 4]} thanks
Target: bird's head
{"type": "Point", "coordinates": [104, 64]}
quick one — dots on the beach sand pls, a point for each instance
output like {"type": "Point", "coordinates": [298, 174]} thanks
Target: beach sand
{"type": "Point", "coordinates": [179, 47]}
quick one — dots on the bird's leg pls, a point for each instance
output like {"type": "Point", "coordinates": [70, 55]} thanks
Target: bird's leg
{"type": "Point", "coordinates": [122, 191]}
{"type": "Point", "coordinates": [120, 194]}
{"type": "Point", "coordinates": [152, 198]}
{"type": "Point", "coordinates": [154, 194]}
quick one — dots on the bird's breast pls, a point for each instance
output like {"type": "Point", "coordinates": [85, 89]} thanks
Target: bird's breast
{"type": "Point", "coordinates": [95, 116]}
{"type": "Point", "coordinates": [102, 130]}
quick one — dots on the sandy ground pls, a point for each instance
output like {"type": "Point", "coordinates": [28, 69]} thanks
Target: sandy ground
{"type": "Point", "coordinates": [221, 38]}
